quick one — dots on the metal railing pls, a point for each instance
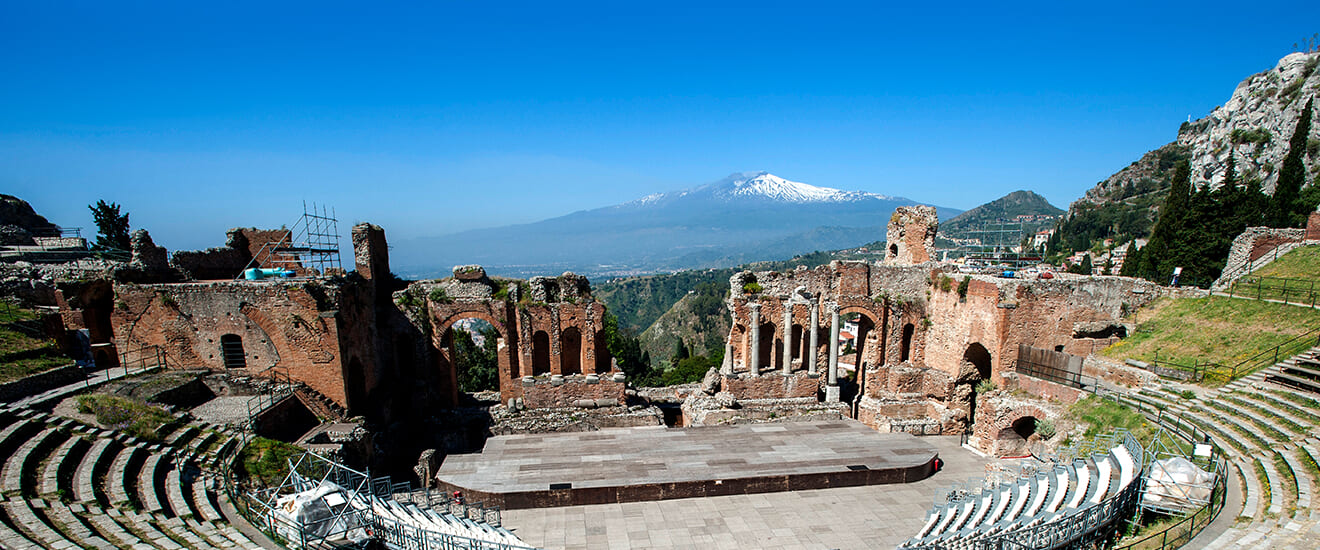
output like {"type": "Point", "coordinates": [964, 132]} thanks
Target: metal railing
{"type": "Point", "coordinates": [280, 385]}
{"type": "Point", "coordinates": [1057, 375]}
{"type": "Point", "coordinates": [1289, 291]}
{"type": "Point", "coordinates": [1209, 371]}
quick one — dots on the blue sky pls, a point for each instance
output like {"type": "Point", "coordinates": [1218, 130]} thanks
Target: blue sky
{"type": "Point", "coordinates": [433, 118]}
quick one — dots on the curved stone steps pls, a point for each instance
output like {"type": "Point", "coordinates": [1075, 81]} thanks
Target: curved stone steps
{"type": "Point", "coordinates": [11, 536]}
{"type": "Point", "coordinates": [148, 494]}
{"type": "Point", "coordinates": [174, 496]}
{"type": "Point", "coordinates": [1302, 477]}
{"type": "Point", "coordinates": [20, 510]}
{"type": "Point", "coordinates": [145, 524]}
{"type": "Point", "coordinates": [1271, 404]}
{"type": "Point", "coordinates": [1278, 493]}
{"type": "Point", "coordinates": [21, 466]}
{"type": "Point", "coordinates": [206, 508]}
{"type": "Point", "coordinates": [1256, 421]}
{"type": "Point", "coordinates": [84, 477]}
{"type": "Point", "coordinates": [1299, 413]}
{"type": "Point", "coordinates": [57, 475]}
{"type": "Point", "coordinates": [73, 527]}
{"type": "Point", "coordinates": [121, 475]}
{"type": "Point", "coordinates": [176, 529]}
{"type": "Point", "coordinates": [113, 530]}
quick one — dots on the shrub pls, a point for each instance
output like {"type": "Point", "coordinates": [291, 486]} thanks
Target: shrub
{"type": "Point", "coordinates": [986, 386]}
{"type": "Point", "coordinates": [946, 283]}
{"type": "Point", "coordinates": [439, 296]}
{"type": "Point", "coordinates": [962, 287]}
{"type": "Point", "coordinates": [1045, 428]}
{"type": "Point", "coordinates": [116, 413]}
{"type": "Point", "coordinates": [752, 288]}
{"type": "Point", "coordinates": [1258, 136]}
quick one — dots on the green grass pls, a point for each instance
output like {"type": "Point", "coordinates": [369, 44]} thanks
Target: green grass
{"type": "Point", "coordinates": [1102, 416]}
{"type": "Point", "coordinates": [122, 414]}
{"type": "Point", "coordinates": [1221, 330]}
{"type": "Point", "coordinates": [1302, 263]}
{"type": "Point", "coordinates": [22, 354]}
{"type": "Point", "coordinates": [266, 460]}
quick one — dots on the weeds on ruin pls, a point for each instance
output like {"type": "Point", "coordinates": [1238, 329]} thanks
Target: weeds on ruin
{"type": "Point", "coordinates": [439, 296]}
{"type": "Point", "coordinates": [141, 420]}
{"type": "Point", "coordinates": [266, 460]}
{"type": "Point", "coordinates": [752, 288]}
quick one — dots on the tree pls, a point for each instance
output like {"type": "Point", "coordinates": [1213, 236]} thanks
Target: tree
{"type": "Point", "coordinates": [111, 226]}
{"type": "Point", "coordinates": [1161, 254]}
{"type": "Point", "coordinates": [477, 366]}
{"type": "Point", "coordinates": [1287, 210]}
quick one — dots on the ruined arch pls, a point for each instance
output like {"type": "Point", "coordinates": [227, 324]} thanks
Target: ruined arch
{"type": "Point", "coordinates": [868, 354]}
{"type": "Point", "coordinates": [979, 358]}
{"type": "Point", "coordinates": [974, 368]}
{"type": "Point", "coordinates": [570, 350]}
{"type": "Point", "coordinates": [540, 353]}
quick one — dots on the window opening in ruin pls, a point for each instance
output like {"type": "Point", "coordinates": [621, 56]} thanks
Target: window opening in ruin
{"type": "Point", "coordinates": [1058, 347]}
{"type": "Point", "coordinates": [602, 354]}
{"type": "Point", "coordinates": [231, 351]}
{"type": "Point", "coordinates": [540, 353]}
{"type": "Point", "coordinates": [855, 354]}
{"type": "Point", "coordinates": [893, 249]}
{"type": "Point", "coordinates": [905, 351]}
{"type": "Point", "coordinates": [570, 351]}
{"type": "Point", "coordinates": [472, 345]}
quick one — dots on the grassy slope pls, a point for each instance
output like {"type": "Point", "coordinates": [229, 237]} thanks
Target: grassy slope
{"type": "Point", "coordinates": [1217, 329]}
{"type": "Point", "coordinates": [1301, 263]}
{"type": "Point", "coordinates": [21, 354]}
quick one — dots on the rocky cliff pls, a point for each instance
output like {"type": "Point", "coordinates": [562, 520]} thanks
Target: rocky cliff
{"type": "Point", "coordinates": [1254, 126]}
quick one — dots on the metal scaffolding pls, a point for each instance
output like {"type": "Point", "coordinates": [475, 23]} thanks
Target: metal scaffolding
{"type": "Point", "coordinates": [311, 247]}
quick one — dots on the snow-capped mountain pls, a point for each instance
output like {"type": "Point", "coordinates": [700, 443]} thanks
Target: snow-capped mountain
{"type": "Point", "coordinates": [745, 217]}
{"type": "Point", "coordinates": [762, 186]}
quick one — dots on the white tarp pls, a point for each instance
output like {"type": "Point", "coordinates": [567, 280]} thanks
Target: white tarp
{"type": "Point", "coordinates": [1177, 483]}
{"type": "Point", "coordinates": [315, 510]}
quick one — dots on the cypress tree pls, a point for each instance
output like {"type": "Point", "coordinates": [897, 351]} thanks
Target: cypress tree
{"type": "Point", "coordinates": [1161, 253]}
{"type": "Point", "coordinates": [1286, 209]}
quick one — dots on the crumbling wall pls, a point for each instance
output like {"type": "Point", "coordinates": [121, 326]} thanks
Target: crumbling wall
{"type": "Point", "coordinates": [291, 325]}
{"type": "Point", "coordinates": [579, 391]}
{"type": "Point", "coordinates": [910, 239]}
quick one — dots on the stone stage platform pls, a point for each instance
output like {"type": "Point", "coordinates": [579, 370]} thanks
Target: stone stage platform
{"type": "Point", "coordinates": [655, 463]}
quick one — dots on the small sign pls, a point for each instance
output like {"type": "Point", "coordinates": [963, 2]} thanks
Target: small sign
{"type": "Point", "coordinates": [1201, 449]}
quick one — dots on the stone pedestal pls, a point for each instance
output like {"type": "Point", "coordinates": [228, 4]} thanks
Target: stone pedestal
{"type": "Point", "coordinates": [831, 394]}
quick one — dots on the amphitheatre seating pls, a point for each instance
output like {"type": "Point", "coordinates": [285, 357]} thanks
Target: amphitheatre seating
{"type": "Point", "coordinates": [1031, 501]}
{"type": "Point", "coordinates": [69, 485]}
{"type": "Point", "coordinates": [442, 522]}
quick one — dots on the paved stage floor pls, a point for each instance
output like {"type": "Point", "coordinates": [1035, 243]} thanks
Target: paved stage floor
{"type": "Point", "coordinates": [640, 456]}
{"type": "Point", "coordinates": [877, 516]}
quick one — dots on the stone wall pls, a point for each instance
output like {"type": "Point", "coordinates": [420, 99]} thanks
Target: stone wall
{"type": "Point", "coordinates": [1253, 244]}
{"type": "Point", "coordinates": [910, 238]}
{"type": "Point", "coordinates": [40, 382]}
{"type": "Point", "coordinates": [581, 391]}
{"type": "Point", "coordinates": [771, 386]}
{"type": "Point", "coordinates": [291, 325]}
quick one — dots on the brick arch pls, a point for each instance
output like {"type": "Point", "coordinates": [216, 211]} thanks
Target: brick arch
{"type": "Point", "coordinates": [448, 322]}
{"type": "Point", "coordinates": [1016, 414]}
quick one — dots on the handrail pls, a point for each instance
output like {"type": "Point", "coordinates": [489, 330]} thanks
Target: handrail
{"type": "Point", "coordinates": [1303, 288]}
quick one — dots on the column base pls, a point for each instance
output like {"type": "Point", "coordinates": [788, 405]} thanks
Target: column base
{"type": "Point", "coordinates": [831, 394]}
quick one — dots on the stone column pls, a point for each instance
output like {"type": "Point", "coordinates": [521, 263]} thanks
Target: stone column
{"type": "Point", "coordinates": [832, 374]}
{"type": "Point", "coordinates": [727, 367]}
{"type": "Point", "coordinates": [788, 337]}
{"type": "Point", "coordinates": [754, 351]}
{"type": "Point", "coordinates": [815, 335]}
